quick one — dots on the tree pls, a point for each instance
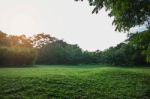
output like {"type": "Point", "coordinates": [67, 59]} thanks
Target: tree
{"type": "Point", "coordinates": [148, 54]}
{"type": "Point", "coordinates": [16, 50]}
{"type": "Point", "coordinates": [3, 39]}
{"type": "Point", "coordinates": [141, 43]}
{"type": "Point", "coordinates": [59, 52]}
{"type": "Point", "coordinates": [19, 41]}
{"type": "Point", "coordinates": [126, 13]}
{"type": "Point", "coordinates": [41, 39]}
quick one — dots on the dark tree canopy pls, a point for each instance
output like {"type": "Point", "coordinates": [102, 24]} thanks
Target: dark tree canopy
{"type": "Point", "coordinates": [126, 13]}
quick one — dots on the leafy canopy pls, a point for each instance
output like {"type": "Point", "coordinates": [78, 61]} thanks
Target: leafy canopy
{"type": "Point", "coordinates": [141, 42]}
{"type": "Point", "coordinates": [126, 13]}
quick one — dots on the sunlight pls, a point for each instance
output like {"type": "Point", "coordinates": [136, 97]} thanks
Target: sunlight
{"type": "Point", "coordinates": [61, 21]}
{"type": "Point", "coordinates": [24, 22]}
{"type": "Point", "coordinates": [58, 49]}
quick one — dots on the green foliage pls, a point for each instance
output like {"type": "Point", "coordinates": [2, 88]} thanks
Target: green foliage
{"type": "Point", "coordinates": [148, 54]}
{"type": "Point", "coordinates": [41, 39]}
{"type": "Point", "coordinates": [119, 55]}
{"type": "Point", "coordinates": [141, 43]}
{"type": "Point", "coordinates": [69, 82]}
{"type": "Point", "coordinates": [132, 52]}
{"type": "Point", "coordinates": [17, 56]}
{"type": "Point", "coordinates": [59, 52]}
{"type": "Point", "coordinates": [20, 50]}
{"type": "Point", "coordinates": [16, 50]}
{"type": "Point", "coordinates": [126, 13]}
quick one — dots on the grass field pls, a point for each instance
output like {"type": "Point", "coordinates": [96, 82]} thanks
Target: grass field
{"type": "Point", "coordinates": [75, 82]}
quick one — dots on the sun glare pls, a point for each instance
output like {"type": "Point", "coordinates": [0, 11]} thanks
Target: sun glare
{"type": "Point", "coordinates": [67, 20]}
{"type": "Point", "coordinates": [23, 22]}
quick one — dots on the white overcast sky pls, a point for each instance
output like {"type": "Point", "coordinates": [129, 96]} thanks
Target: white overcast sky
{"type": "Point", "coordinates": [64, 19]}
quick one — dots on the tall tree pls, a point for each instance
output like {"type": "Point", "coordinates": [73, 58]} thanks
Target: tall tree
{"type": "Point", "coordinates": [126, 13]}
{"type": "Point", "coordinates": [41, 39]}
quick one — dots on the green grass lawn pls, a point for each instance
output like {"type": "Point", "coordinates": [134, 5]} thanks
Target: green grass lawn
{"type": "Point", "coordinates": [75, 82]}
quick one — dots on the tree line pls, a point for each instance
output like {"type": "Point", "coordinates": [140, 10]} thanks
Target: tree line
{"type": "Point", "coordinates": [45, 49]}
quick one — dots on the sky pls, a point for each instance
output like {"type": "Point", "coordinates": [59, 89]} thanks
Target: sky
{"type": "Point", "coordinates": [64, 19]}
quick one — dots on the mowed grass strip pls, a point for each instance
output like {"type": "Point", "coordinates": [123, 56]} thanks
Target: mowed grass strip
{"type": "Point", "coordinates": [76, 82]}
